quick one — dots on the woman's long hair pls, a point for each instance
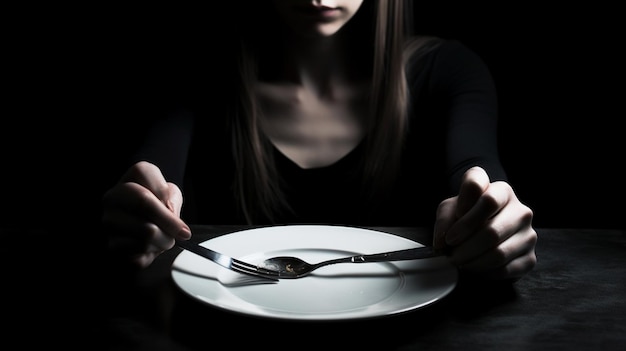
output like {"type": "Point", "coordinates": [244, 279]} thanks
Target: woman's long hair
{"type": "Point", "coordinates": [257, 184]}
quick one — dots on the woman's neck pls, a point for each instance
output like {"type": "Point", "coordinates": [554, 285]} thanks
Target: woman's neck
{"type": "Point", "coordinates": [316, 64]}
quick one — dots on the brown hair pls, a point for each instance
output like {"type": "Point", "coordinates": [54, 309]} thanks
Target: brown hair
{"type": "Point", "coordinates": [257, 185]}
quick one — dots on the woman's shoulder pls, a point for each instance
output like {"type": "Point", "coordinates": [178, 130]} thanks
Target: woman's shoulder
{"type": "Point", "coordinates": [441, 56]}
{"type": "Point", "coordinates": [438, 48]}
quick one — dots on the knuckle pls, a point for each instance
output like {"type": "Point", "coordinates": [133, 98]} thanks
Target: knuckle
{"type": "Point", "coordinates": [490, 200]}
{"type": "Point", "coordinates": [500, 256]}
{"type": "Point", "coordinates": [492, 235]}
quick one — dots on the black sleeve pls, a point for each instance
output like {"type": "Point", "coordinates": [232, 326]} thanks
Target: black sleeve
{"type": "Point", "coordinates": [462, 96]}
{"type": "Point", "coordinates": [166, 144]}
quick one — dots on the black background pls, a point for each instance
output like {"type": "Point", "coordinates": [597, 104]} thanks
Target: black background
{"type": "Point", "coordinates": [69, 70]}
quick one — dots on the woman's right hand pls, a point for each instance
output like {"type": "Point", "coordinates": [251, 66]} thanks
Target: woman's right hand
{"type": "Point", "coordinates": [141, 215]}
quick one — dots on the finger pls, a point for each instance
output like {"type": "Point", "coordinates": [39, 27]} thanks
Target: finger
{"type": "Point", "coordinates": [143, 260]}
{"type": "Point", "coordinates": [478, 244]}
{"type": "Point", "coordinates": [490, 234]}
{"type": "Point", "coordinates": [508, 221]}
{"type": "Point", "coordinates": [174, 199]}
{"type": "Point", "coordinates": [133, 240]}
{"type": "Point", "coordinates": [127, 249]}
{"type": "Point", "coordinates": [513, 257]}
{"type": "Point", "coordinates": [490, 202]}
{"type": "Point", "coordinates": [134, 259]}
{"type": "Point", "coordinates": [475, 181]}
{"type": "Point", "coordinates": [149, 176]}
{"type": "Point", "coordinates": [131, 234]}
{"type": "Point", "coordinates": [142, 202]}
{"type": "Point", "coordinates": [445, 217]}
{"type": "Point", "coordinates": [515, 269]}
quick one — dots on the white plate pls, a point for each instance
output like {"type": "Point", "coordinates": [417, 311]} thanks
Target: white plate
{"type": "Point", "coordinates": [335, 292]}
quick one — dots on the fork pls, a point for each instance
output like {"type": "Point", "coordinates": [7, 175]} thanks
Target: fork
{"type": "Point", "coordinates": [229, 262]}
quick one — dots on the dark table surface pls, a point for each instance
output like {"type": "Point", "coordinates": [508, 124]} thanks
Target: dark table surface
{"type": "Point", "coordinates": [574, 299]}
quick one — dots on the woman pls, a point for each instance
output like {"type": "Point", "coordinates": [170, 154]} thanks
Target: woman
{"type": "Point", "coordinates": [335, 116]}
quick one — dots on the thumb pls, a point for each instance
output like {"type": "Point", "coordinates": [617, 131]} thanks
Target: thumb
{"type": "Point", "coordinates": [473, 184]}
{"type": "Point", "coordinates": [444, 220]}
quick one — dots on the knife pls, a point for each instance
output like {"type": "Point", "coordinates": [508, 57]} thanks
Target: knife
{"type": "Point", "coordinates": [399, 255]}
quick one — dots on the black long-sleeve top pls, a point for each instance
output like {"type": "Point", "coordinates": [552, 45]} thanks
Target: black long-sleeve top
{"type": "Point", "coordinates": [453, 126]}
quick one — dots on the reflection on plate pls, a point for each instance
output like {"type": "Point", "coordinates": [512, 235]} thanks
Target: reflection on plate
{"type": "Point", "coordinates": [335, 292]}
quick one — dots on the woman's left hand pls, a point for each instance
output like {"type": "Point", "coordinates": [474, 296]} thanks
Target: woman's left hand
{"type": "Point", "coordinates": [486, 229]}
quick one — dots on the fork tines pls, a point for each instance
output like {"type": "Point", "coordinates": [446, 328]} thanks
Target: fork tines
{"type": "Point", "coordinates": [247, 268]}
{"type": "Point", "coordinates": [228, 262]}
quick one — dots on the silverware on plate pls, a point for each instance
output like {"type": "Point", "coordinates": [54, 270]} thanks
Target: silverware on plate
{"type": "Point", "coordinates": [229, 262]}
{"type": "Point", "coordinates": [293, 267]}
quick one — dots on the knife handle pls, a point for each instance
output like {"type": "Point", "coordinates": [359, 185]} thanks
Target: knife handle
{"type": "Point", "coordinates": [400, 255]}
